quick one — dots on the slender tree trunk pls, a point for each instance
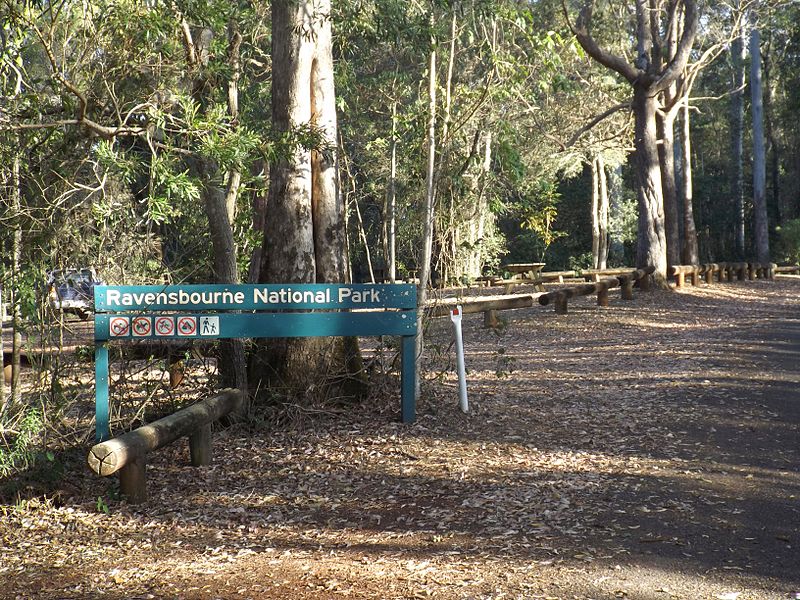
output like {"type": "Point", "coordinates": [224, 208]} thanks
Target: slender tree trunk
{"type": "Point", "coordinates": [428, 210]}
{"type": "Point", "coordinates": [666, 150]}
{"type": "Point", "coordinates": [691, 255]}
{"type": "Point", "coordinates": [16, 283]}
{"type": "Point", "coordinates": [737, 137]}
{"type": "Point", "coordinates": [760, 220]}
{"type": "Point", "coordinates": [330, 243]}
{"type": "Point", "coordinates": [651, 239]}
{"type": "Point", "coordinates": [602, 207]}
{"type": "Point", "coordinates": [392, 201]}
{"type": "Point", "coordinates": [774, 151]}
{"type": "Point", "coordinates": [595, 215]}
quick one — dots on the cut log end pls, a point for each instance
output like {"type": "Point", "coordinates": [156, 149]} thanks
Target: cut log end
{"type": "Point", "coordinates": [103, 460]}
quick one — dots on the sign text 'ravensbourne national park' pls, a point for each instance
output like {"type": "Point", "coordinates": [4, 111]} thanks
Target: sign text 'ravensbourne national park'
{"type": "Point", "coordinates": [249, 297]}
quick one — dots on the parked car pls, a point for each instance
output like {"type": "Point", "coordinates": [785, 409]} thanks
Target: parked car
{"type": "Point", "coordinates": [72, 290]}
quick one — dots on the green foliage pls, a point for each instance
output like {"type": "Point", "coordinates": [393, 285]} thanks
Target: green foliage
{"type": "Point", "coordinates": [789, 241]}
{"type": "Point", "coordinates": [22, 450]}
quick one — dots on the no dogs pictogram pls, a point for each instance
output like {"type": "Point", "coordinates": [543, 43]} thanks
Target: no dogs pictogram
{"type": "Point", "coordinates": [119, 327]}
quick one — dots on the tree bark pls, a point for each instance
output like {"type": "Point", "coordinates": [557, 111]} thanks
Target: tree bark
{"type": "Point", "coordinates": [595, 215]}
{"type": "Point", "coordinates": [304, 232]}
{"type": "Point", "coordinates": [760, 220]}
{"type": "Point", "coordinates": [428, 212]}
{"type": "Point", "coordinates": [691, 255]}
{"type": "Point", "coordinates": [651, 240]}
{"type": "Point", "coordinates": [737, 144]}
{"type": "Point", "coordinates": [602, 260]}
{"type": "Point", "coordinates": [666, 150]}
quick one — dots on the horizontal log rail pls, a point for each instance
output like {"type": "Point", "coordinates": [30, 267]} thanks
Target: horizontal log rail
{"type": "Point", "coordinates": [488, 305]}
{"type": "Point", "coordinates": [786, 269]}
{"type": "Point", "coordinates": [722, 272]}
{"type": "Point", "coordinates": [623, 278]}
{"type": "Point", "coordinates": [127, 454]}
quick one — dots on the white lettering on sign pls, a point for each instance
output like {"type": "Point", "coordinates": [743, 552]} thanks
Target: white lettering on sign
{"type": "Point", "coordinates": [287, 296]}
{"type": "Point", "coordinates": [117, 298]}
{"type": "Point", "coordinates": [358, 296]}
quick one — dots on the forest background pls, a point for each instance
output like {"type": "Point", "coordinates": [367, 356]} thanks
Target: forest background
{"type": "Point", "coordinates": [139, 138]}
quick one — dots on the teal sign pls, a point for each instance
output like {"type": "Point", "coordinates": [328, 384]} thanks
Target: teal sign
{"type": "Point", "coordinates": [128, 313]}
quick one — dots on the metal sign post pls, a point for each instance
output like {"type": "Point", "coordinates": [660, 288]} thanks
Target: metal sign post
{"type": "Point", "coordinates": [455, 317]}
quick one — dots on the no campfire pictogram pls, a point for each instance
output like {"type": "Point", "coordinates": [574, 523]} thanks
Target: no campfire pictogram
{"type": "Point", "coordinates": [142, 326]}
{"type": "Point", "coordinates": [187, 326]}
{"type": "Point", "coordinates": [119, 327]}
{"type": "Point", "coordinates": [165, 326]}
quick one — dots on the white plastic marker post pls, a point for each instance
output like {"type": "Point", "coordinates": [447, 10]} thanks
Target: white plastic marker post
{"type": "Point", "coordinates": [455, 317]}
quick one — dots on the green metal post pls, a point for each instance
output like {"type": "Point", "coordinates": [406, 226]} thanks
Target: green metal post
{"type": "Point", "coordinates": [408, 367]}
{"type": "Point", "coordinates": [102, 432]}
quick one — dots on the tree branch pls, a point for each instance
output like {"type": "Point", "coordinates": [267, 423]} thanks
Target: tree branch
{"type": "Point", "coordinates": [581, 30]}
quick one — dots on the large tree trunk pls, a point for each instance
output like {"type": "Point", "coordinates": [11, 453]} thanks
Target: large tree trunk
{"type": "Point", "coordinates": [651, 241]}
{"type": "Point", "coordinates": [737, 137]}
{"type": "Point", "coordinates": [304, 239]}
{"type": "Point", "coordinates": [760, 223]}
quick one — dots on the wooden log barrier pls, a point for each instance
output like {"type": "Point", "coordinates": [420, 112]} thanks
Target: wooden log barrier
{"type": "Point", "coordinates": [560, 298]}
{"type": "Point", "coordinates": [708, 270]}
{"type": "Point", "coordinates": [488, 305]}
{"type": "Point", "coordinates": [679, 272]}
{"type": "Point", "coordinates": [127, 454]}
{"type": "Point", "coordinates": [785, 269]}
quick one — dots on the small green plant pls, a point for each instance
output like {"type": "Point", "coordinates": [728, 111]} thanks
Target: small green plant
{"type": "Point", "coordinates": [21, 453]}
{"type": "Point", "coordinates": [504, 364]}
{"type": "Point", "coordinates": [102, 505]}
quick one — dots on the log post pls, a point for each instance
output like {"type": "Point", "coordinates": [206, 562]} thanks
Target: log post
{"type": "Point", "coordinates": [602, 294]}
{"type": "Point", "coordinates": [741, 271]}
{"type": "Point", "coordinates": [626, 284]}
{"type": "Point", "coordinates": [561, 304]}
{"type": "Point", "coordinates": [133, 480]}
{"type": "Point", "coordinates": [127, 454]}
{"type": "Point", "coordinates": [695, 275]}
{"type": "Point", "coordinates": [771, 271]}
{"type": "Point", "coordinates": [200, 450]}
{"type": "Point", "coordinates": [490, 320]}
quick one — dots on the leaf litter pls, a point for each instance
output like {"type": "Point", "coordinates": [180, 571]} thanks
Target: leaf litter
{"type": "Point", "coordinates": [602, 458]}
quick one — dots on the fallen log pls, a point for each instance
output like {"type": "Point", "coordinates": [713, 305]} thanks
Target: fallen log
{"type": "Point", "coordinates": [127, 454]}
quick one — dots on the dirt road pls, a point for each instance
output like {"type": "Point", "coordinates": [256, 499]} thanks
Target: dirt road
{"type": "Point", "coordinates": [649, 450]}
